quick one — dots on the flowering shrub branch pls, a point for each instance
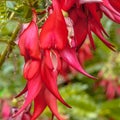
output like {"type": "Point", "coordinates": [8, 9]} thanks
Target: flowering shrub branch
{"type": "Point", "coordinates": [56, 41]}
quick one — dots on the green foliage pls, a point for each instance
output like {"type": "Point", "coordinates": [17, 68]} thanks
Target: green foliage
{"type": "Point", "coordinates": [11, 80]}
{"type": "Point", "coordinates": [111, 109]}
{"type": "Point", "coordinates": [83, 106]}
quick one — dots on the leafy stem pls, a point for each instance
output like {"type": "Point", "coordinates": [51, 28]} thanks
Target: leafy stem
{"type": "Point", "coordinates": [9, 47]}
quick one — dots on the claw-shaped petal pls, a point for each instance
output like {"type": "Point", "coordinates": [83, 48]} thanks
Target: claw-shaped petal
{"type": "Point", "coordinates": [32, 92]}
{"type": "Point", "coordinates": [69, 56]}
{"type": "Point", "coordinates": [39, 104]}
{"type": "Point", "coordinates": [52, 34]}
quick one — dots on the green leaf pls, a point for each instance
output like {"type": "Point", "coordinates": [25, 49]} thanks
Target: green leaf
{"type": "Point", "coordinates": [111, 109]}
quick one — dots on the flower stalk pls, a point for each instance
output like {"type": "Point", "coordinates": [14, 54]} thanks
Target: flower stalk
{"type": "Point", "coordinates": [9, 46]}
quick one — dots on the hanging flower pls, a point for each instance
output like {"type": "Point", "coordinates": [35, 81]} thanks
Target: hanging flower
{"type": "Point", "coordinates": [28, 41]}
{"type": "Point", "coordinates": [86, 16]}
{"type": "Point", "coordinates": [109, 78]}
{"type": "Point", "coordinates": [111, 87]}
{"type": "Point", "coordinates": [84, 54]}
{"type": "Point", "coordinates": [52, 34]}
{"type": "Point", "coordinates": [38, 63]}
{"type": "Point", "coordinates": [45, 53]}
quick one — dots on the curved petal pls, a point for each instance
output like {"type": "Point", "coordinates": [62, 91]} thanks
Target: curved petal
{"type": "Point", "coordinates": [52, 34]}
{"type": "Point", "coordinates": [22, 92]}
{"type": "Point", "coordinates": [32, 92]}
{"type": "Point", "coordinates": [39, 104]}
{"type": "Point", "coordinates": [96, 29]}
{"type": "Point", "coordinates": [69, 56]}
{"type": "Point", "coordinates": [67, 4]}
{"type": "Point", "coordinates": [109, 10]}
{"type": "Point", "coordinates": [90, 1]}
{"type": "Point", "coordinates": [26, 40]}
{"type": "Point", "coordinates": [52, 104]}
{"type": "Point", "coordinates": [31, 68]}
{"type": "Point", "coordinates": [115, 4]}
{"type": "Point", "coordinates": [50, 79]}
{"type": "Point", "coordinates": [80, 25]}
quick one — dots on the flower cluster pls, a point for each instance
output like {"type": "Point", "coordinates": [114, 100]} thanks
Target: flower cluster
{"type": "Point", "coordinates": [84, 54]}
{"type": "Point", "coordinates": [110, 85]}
{"type": "Point", "coordinates": [109, 78]}
{"type": "Point", "coordinates": [45, 52]}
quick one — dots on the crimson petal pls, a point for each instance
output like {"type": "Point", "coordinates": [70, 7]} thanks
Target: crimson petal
{"type": "Point", "coordinates": [110, 11]}
{"type": "Point", "coordinates": [31, 68]}
{"type": "Point", "coordinates": [80, 25]}
{"type": "Point", "coordinates": [50, 79]}
{"type": "Point", "coordinates": [52, 34]}
{"type": "Point", "coordinates": [115, 4]}
{"type": "Point", "coordinates": [69, 56]}
{"type": "Point", "coordinates": [22, 92]}
{"type": "Point", "coordinates": [89, 1]}
{"type": "Point", "coordinates": [39, 104]}
{"type": "Point", "coordinates": [26, 40]}
{"type": "Point", "coordinates": [52, 104]}
{"type": "Point", "coordinates": [110, 14]}
{"type": "Point", "coordinates": [67, 4]}
{"type": "Point", "coordinates": [93, 10]}
{"type": "Point", "coordinates": [32, 92]}
{"type": "Point", "coordinates": [98, 32]}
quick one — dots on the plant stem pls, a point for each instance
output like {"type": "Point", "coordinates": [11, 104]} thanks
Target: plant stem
{"type": "Point", "coordinates": [8, 49]}
{"type": "Point", "coordinates": [10, 44]}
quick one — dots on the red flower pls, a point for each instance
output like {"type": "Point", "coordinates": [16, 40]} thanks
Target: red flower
{"type": "Point", "coordinates": [38, 64]}
{"type": "Point", "coordinates": [70, 57]}
{"type": "Point", "coordinates": [45, 53]}
{"type": "Point", "coordinates": [42, 87]}
{"type": "Point", "coordinates": [108, 7]}
{"type": "Point", "coordinates": [43, 99]}
{"type": "Point", "coordinates": [84, 54]}
{"type": "Point", "coordinates": [86, 16]}
{"type": "Point", "coordinates": [52, 34]}
{"type": "Point", "coordinates": [28, 41]}
{"type": "Point", "coordinates": [51, 66]}
{"type": "Point", "coordinates": [111, 86]}
{"type": "Point", "coordinates": [115, 4]}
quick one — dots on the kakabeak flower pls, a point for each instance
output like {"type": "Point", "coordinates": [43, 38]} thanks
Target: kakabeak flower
{"type": "Point", "coordinates": [44, 53]}
{"type": "Point", "coordinates": [111, 87]}
{"type": "Point", "coordinates": [86, 16]}
{"type": "Point", "coordinates": [52, 34]}
{"type": "Point", "coordinates": [84, 54]}
{"type": "Point", "coordinates": [38, 64]}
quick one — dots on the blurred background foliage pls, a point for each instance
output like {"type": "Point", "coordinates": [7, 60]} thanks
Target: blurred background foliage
{"type": "Point", "coordinates": [86, 96]}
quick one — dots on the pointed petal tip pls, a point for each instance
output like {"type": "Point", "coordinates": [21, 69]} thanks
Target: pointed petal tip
{"type": "Point", "coordinates": [89, 76]}
{"type": "Point", "coordinates": [22, 92]}
{"type": "Point", "coordinates": [68, 105]}
{"type": "Point", "coordinates": [70, 57]}
{"type": "Point", "coordinates": [113, 48]}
